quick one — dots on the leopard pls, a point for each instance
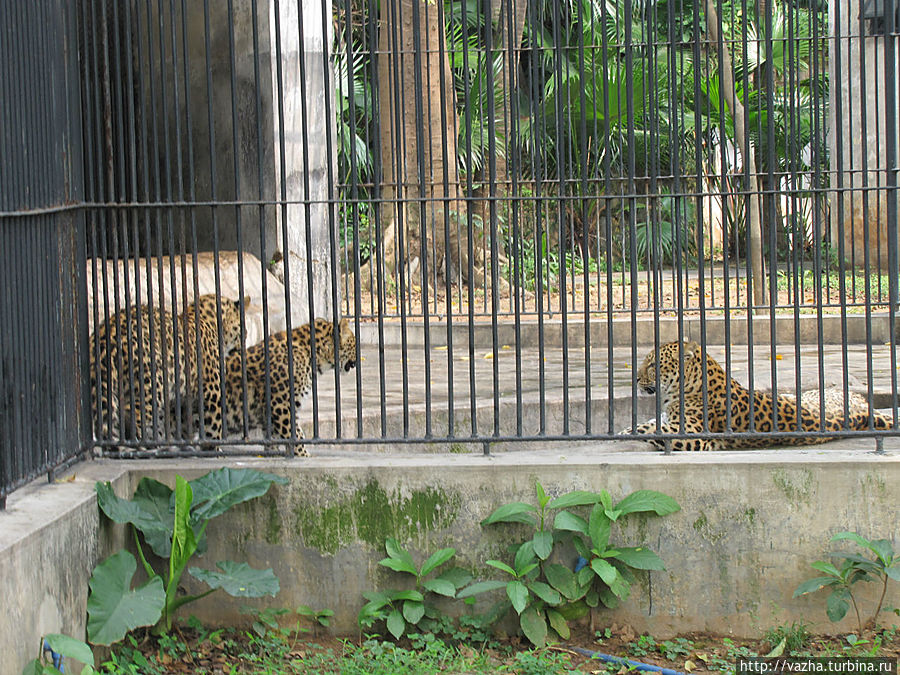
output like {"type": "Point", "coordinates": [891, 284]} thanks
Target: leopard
{"type": "Point", "coordinates": [789, 415]}
{"type": "Point", "coordinates": [133, 359]}
{"type": "Point", "coordinates": [253, 359]}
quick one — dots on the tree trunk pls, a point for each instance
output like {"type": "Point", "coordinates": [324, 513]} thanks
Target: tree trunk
{"type": "Point", "coordinates": [417, 114]}
{"type": "Point", "coordinates": [747, 151]}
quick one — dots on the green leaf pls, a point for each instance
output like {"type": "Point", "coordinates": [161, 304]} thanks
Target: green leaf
{"type": "Point", "coordinates": [517, 594]}
{"type": "Point", "coordinates": [239, 579]}
{"type": "Point", "coordinates": [826, 567]}
{"type": "Point", "coordinates": [411, 594]}
{"type": "Point", "coordinates": [620, 587]}
{"type": "Point", "coordinates": [549, 595]}
{"type": "Point", "coordinates": [883, 549]}
{"type": "Point", "coordinates": [437, 559]}
{"type": "Point", "coordinates": [606, 500]}
{"type": "Point", "coordinates": [558, 623]}
{"type": "Point", "coordinates": [575, 498]}
{"type": "Point", "coordinates": [837, 604]}
{"type": "Point", "coordinates": [218, 491]}
{"type": "Point", "coordinates": [480, 587]}
{"type": "Point", "coordinates": [184, 542]}
{"type": "Point", "coordinates": [151, 512]}
{"type": "Point", "coordinates": [113, 608]}
{"type": "Point", "coordinates": [813, 585]}
{"type": "Point", "coordinates": [398, 565]}
{"type": "Point", "coordinates": [648, 500]}
{"type": "Point", "coordinates": [592, 597]}
{"type": "Point", "coordinates": [563, 580]}
{"type": "Point", "coordinates": [541, 495]}
{"type": "Point", "coordinates": [395, 624]}
{"type": "Point", "coordinates": [440, 586]}
{"type": "Point", "coordinates": [570, 522]}
{"type": "Point", "coordinates": [599, 527]}
{"type": "Point", "coordinates": [457, 576]}
{"type": "Point", "coordinates": [71, 648]}
{"type": "Point", "coordinates": [413, 611]}
{"type": "Point", "coordinates": [852, 536]}
{"type": "Point", "coordinates": [524, 557]}
{"type": "Point", "coordinates": [893, 571]}
{"type": "Point", "coordinates": [534, 626]}
{"type": "Point", "coordinates": [34, 667]}
{"type": "Point", "coordinates": [502, 566]}
{"type": "Point", "coordinates": [542, 544]}
{"type": "Point", "coordinates": [515, 512]}
{"type": "Point", "coordinates": [640, 558]}
{"type": "Point", "coordinates": [604, 570]}
{"type": "Point", "coordinates": [583, 549]}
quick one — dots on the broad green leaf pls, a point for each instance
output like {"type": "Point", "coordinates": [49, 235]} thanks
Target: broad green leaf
{"type": "Point", "coordinates": [608, 598]}
{"type": "Point", "coordinates": [812, 585]}
{"type": "Point", "coordinates": [411, 594]}
{"type": "Point", "coordinates": [437, 559]}
{"type": "Point", "coordinates": [563, 580]}
{"type": "Point", "coordinates": [413, 611]}
{"type": "Point", "coordinates": [524, 556]}
{"type": "Point", "coordinates": [502, 566]}
{"type": "Point", "coordinates": [377, 597]}
{"type": "Point", "coordinates": [852, 536]}
{"type": "Point", "coordinates": [604, 570]}
{"type": "Point", "coordinates": [576, 498]}
{"type": "Point", "coordinates": [457, 576]}
{"type": "Point", "coordinates": [395, 624]}
{"type": "Point", "coordinates": [480, 587]}
{"type": "Point", "coordinates": [239, 579]}
{"type": "Point", "coordinates": [151, 512]}
{"type": "Point", "coordinates": [113, 608]}
{"type": "Point", "coordinates": [584, 576]}
{"type": "Point", "coordinates": [218, 491]}
{"type": "Point", "coordinates": [515, 512]}
{"type": "Point", "coordinates": [592, 597]}
{"type": "Point", "coordinates": [517, 594]}
{"type": "Point", "coordinates": [883, 549]}
{"type": "Point", "coordinates": [570, 522]}
{"type": "Point", "coordinates": [71, 648]}
{"type": "Point", "coordinates": [544, 592]}
{"type": "Point", "coordinates": [184, 542]}
{"type": "Point", "coordinates": [541, 495]}
{"type": "Point", "coordinates": [558, 623]}
{"type": "Point", "coordinates": [34, 667]}
{"type": "Point", "coordinates": [583, 549]}
{"type": "Point", "coordinates": [599, 527]}
{"type": "Point", "coordinates": [573, 611]}
{"type": "Point", "coordinates": [542, 544]}
{"type": "Point", "coordinates": [534, 626]}
{"type": "Point", "coordinates": [440, 586]}
{"type": "Point", "coordinates": [648, 500]}
{"type": "Point", "coordinates": [836, 605]}
{"type": "Point", "coordinates": [620, 588]}
{"type": "Point", "coordinates": [399, 565]}
{"type": "Point", "coordinates": [640, 558]}
{"type": "Point", "coordinates": [826, 567]}
{"type": "Point", "coordinates": [893, 571]}
{"type": "Point", "coordinates": [606, 500]}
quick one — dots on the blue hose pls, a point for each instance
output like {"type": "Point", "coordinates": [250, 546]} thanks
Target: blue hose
{"type": "Point", "coordinates": [608, 658]}
{"type": "Point", "coordinates": [55, 657]}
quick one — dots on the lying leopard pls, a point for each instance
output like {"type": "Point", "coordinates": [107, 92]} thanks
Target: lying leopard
{"type": "Point", "coordinates": [788, 412]}
{"type": "Point", "coordinates": [279, 413]}
{"type": "Point", "coordinates": [133, 367]}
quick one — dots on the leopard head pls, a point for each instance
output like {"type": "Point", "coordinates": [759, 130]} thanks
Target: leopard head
{"type": "Point", "coordinates": [325, 345]}
{"type": "Point", "coordinates": [669, 362]}
{"type": "Point", "coordinates": [207, 307]}
{"type": "Point", "coordinates": [347, 346]}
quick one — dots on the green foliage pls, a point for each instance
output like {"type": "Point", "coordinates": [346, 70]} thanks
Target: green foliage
{"type": "Point", "coordinates": [545, 594]}
{"type": "Point", "coordinates": [173, 523]}
{"type": "Point", "coordinates": [402, 609]}
{"type": "Point", "coordinates": [795, 635]}
{"type": "Point", "coordinates": [64, 646]}
{"type": "Point", "coordinates": [850, 568]}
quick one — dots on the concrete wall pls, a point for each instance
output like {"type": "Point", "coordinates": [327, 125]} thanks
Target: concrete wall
{"type": "Point", "coordinates": [751, 522]}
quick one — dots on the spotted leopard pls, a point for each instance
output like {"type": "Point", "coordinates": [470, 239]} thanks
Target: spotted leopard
{"type": "Point", "coordinates": [788, 415]}
{"type": "Point", "coordinates": [134, 379]}
{"type": "Point", "coordinates": [278, 413]}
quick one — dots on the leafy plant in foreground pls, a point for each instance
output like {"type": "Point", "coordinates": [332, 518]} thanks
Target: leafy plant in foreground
{"type": "Point", "coordinates": [173, 524]}
{"type": "Point", "coordinates": [62, 646]}
{"type": "Point", "coordinates": [545, 594]}
{"type": "Point", "coordinates": [400, 609]}
{"type": "Point", "coordinates": [851, 569]}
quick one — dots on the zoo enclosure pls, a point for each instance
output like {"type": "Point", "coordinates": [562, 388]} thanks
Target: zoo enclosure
{"type": "Point", "coordinates": [507, 198]}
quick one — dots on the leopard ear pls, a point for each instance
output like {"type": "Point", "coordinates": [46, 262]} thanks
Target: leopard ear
{"type": "Point", "coordinates": [344, 325]}
{"type": "Point", "coordinates": [691, 350]}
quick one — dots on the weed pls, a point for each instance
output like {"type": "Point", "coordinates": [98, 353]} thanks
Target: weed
{"type": "Point", "coordinates": [796, 636]}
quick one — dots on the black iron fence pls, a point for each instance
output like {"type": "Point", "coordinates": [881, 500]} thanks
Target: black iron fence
{"type": "Point", "coordinates": [512, 203]}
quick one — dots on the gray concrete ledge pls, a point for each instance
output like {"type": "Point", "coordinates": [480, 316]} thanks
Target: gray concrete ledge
{"type": "Point", "coordinates": [751, 522]}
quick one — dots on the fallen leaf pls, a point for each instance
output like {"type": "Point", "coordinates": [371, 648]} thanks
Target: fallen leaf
{"type": "Point", "coordinates": [689, 666]}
